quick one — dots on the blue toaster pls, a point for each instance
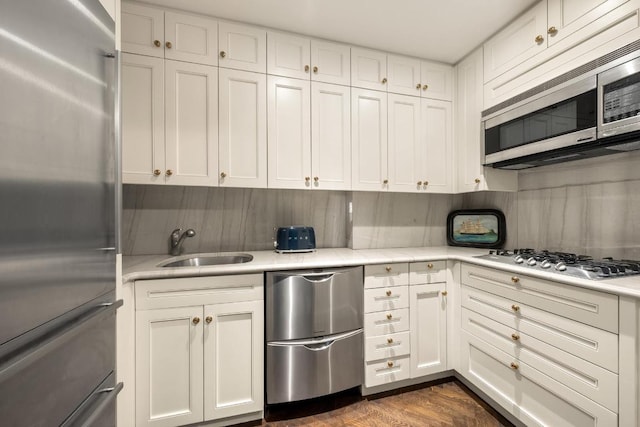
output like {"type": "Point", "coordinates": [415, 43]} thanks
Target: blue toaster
{"type": "Point", "coordinates": [295, 239]}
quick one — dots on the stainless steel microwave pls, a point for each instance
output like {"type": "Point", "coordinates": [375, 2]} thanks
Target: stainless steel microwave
{"type": "Point", "coordinates": [589, 112]}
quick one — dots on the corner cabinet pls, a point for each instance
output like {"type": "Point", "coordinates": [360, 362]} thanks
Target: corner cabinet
{"type": "Point", "coordinates": [472, 176]}
{"type": "Point", "coordinates": [199, 350]}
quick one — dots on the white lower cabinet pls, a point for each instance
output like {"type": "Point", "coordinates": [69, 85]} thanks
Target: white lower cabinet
{"type": "Point", "coordinates": [195, 361]}
{"type": "Point", "coordinates": [428, 329]}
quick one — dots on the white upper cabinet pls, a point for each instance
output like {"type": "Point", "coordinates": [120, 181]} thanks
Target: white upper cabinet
{"type": "Point", "coordinates": [330, 62]}
{"type": "Point", "coordinates": [289, 133]}
{"type": "Point", "coordinates": [331, 136]}
{"type": "Point", "coordinates": [522, 39]}
{"type": "Point", "coordinates": [369, 140]}
{"type": "Point", "coordinates": [404, 143]}
{"type": "Point", "coordinates": [183, 37]}
{"type": "Point", "coordinates": [288, 55]}
{"type": "Point", "coordinates": [242, 129]}
{"type": "Point", "coordinates": [368, 69]}
{"type": "Point", "coordinates": [436, 80]}
{"type": "Point", "coordinates": [242, 47]}
{"type": "Point", "coordinates": [436, 156]}
{"type": "Point", "coordinates": [403, 75]}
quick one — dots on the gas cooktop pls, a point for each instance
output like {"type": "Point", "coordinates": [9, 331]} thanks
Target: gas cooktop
{"type": "Point", "coordinates": [569, 264]}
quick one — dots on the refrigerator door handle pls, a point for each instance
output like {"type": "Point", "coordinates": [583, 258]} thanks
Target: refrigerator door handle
{"type": "Point", "coordinates": [313, 344]}
{"type": "Point", "coordinates": [91, 410]}
{"type": "Point", "coordinates": [22, 358]}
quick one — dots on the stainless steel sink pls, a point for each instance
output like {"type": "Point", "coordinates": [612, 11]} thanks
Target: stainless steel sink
{"type": "Point", "coordinates": [204, 260]}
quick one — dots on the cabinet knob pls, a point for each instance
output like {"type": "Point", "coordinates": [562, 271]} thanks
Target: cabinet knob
{"type": "Point", "coordinates": [514, 366]}
{"type": "Point", "coordinates": [445, 293]}
{"type": "Point", "coordinates": [515, 337]}
{"type": "Point", "coordinates": [385, 182]}
{"type": "Point", "coordinates": [429, 265]}
{"type": "Point", "coordinates": [316, 179]}
{"type": "Point", "coordinates": [390, 364]}
{"type": "Point", "coordinates": [539, 39]}
{"type": "Point", "coordinates": [426, 183]}
{"type": "Point", "coordinates": [195, 320]}
{"type": "Point", "coordinates": [384, 81]}
{"type": "Point", "coordinates": [223, 175]}
{"type": "Point", "coordinates": [315, 70]}
{"type": "Point", "coordinates": [552, 31]}
{"type": "Point", "coordinates": [223, 54]}
{"type": "Point", "coordinates": [477, 180]}
{"type": "Point", "coordinates": [515, 279]}
{"type": "Point", "coordinates": [388, 269]}
{"type": "Point", "coordinates": [389, 316]}
{"type": "Point", "coordinates": [388, 293]}
{"type": "Point", "coordinates": [157, 172]}
{"type": "Point", "coordinates": [389, 340]}
{"type": "Point", "coordinates": [515, 307]}
{"type": "Point", "coordinates": [418, 86]}
{"type": "Point", "coordinates": [208, 319]}
{"type": "Point", "coordinates": [307, 178]}
{"type": "Point", "coordinates": [169, 172]}
{"type": "Point", "coordinates": [306, 68]}
{"type": "Point", "coordinates": [168, 45]}
{"type": "Point", "coordinates": [157, 43]}
{"type": "Point", "coordinates": [419, 183]}
{"type": "Point", "coordinates": [425, 87]}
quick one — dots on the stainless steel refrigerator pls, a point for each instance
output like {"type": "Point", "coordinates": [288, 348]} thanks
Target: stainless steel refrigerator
{"type": "Point", "coordinates": [58, 70]}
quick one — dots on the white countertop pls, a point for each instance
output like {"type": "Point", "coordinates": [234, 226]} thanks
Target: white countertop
{"type": "Point", "coordinates": [146, 266]}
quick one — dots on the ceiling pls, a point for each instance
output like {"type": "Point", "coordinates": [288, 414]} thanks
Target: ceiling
{"type": "Point", "coordinates": [441, 30]}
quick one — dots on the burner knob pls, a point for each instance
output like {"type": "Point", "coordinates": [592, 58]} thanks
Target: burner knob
{"type": "Point", "coordinates": [531, 261]}
{"type": "Point", "coordinates": [518, 259]}
{"type": "Point", "coordinates": [545, 264]}
{"type": "Point", "coordinates": [561, 266]}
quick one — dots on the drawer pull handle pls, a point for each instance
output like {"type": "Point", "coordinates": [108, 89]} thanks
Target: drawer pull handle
{"type": "Point", "coordinates": [389, 316]}
{"type": "Point", "coordinates": [388, 293]}
{"type": "Point", "coordinates": [388, 269]}
{"type": "Point", "coordinates": [515, 307]}
{"type": "Point", "coordinates": [208, 319]}
{"type": "Point", "coordinates": [515, 279]}
{"type": "Point", "coordinates": [429, 265]}
{"type": "Point", "coordinates": [514, 366]}
{"type": "Point", "coordinates": [515, 337]}
{"type": "Point", "coordinates": [389, 340]}
{"type": "Point", "coordinates": [444, 293]}
{"type": "Point", "coordinates": [196, 320]}
{"type": "Point", "coordinates": [390, 364]}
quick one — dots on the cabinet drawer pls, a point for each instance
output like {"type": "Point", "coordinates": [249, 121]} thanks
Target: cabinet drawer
{"type": "Point", "coordinates": [427, 272]}
{"type": "Point", "coordinates": [387, 346]}
{"type": "Point", "coordinates": [391, 298]}
{"type": "Point", "coordinates": [533, 397]}
{"type": "Point", "coordinates": [594, 308]}
{"type": "Point", "coordinates": [384, 275]}
{"type": "Point", "coordinates": [182, 292]}
{"type": "Point", "coordinates": [594, 382]}
{"type": "Point", "coordinates": [386, 322]}
{"type": "Point", "coordinates": [387, 371]}
{"type": "Point", "coordinates": [586, 342]}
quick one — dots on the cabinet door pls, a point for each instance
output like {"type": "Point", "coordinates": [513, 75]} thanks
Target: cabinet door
{"type": "Point", "coordinates": [404, 75]}
{"type": "Point", "coordinates": [289, 133]}
{"type": "Point", "coordinates": [242, 47]}
{"type": "Point", "coordinates": [288, 55]}
{"type": "Point", "coordinates": [436, 81]}
{"type": "Point", "coordinates": [330, 62]}
{"type": "Point", "coordinates": [191, 124]}
{"type": "Point", "coordinates": [369, 140]}
{"type": "Point", "coordinates": [233, 359]}
{"type": "Point", "coordinates": [436, 157]}
{"type": "Point", "coordinates": [368, 69]}
{"type": "Point", "coordinates": [565, 17]}
{"type": "Point", "coordinates": [242, 129]}
{"type": "Point", "coordinates": [142, 30]}
{"type": "Point", "coordinates": [169, 367]}
{"type": "Point", "coordinates": [516, 43]}
{"type": "Point", "coordinates": [331, 136]}
{"type": "Point", "coordinates": [404, 143]}
{"type": "Point", "coordinates": [427, 307]}
{"type": "Point", "coordinates": [191, 38]}
{"type": "Point", "coordinates": [142, 119]}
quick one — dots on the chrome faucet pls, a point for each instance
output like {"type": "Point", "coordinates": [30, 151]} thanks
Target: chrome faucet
{"type": "Point", "coordinates": [177, 238]}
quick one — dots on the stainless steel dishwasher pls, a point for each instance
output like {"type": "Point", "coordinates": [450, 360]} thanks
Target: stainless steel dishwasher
{"type": "Point", "coordinates": [314, 333]}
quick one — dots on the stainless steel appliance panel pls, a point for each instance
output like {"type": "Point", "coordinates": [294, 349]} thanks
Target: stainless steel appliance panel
{"type": "Point", "coordinates": [44, 382]}
{"type": "Point", "coordinates": [57, 216]}
{"type": "Point", "coordinates": [312, 303]}
{"type": "Point", "coordinates": [304, 369]}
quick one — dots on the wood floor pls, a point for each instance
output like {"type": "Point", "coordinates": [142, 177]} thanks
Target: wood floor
{"type": "Point", "coordinates": [448, 404]}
